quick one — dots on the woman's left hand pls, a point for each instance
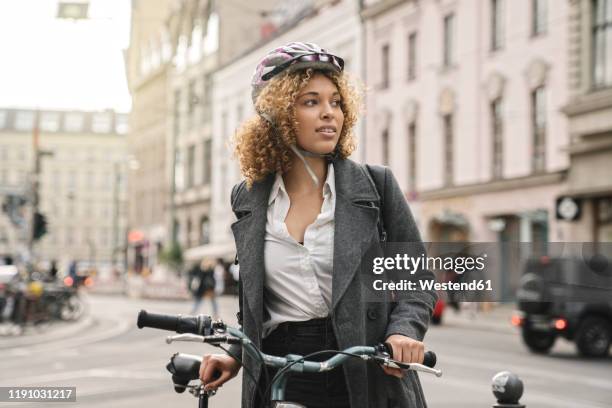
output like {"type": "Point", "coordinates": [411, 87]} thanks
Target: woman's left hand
{"type": "Point", "coordinates": [406, 350]}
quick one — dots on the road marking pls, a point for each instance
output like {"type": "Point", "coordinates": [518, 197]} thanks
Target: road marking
{"type": "Point", "coordinates": [109, 372]}
{"type": "Point", "coordinates": [535, 372]}
{"type": "Point", "coordinates": [529, 398]}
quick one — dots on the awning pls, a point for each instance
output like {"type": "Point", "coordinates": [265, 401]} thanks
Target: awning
{"type": "Point", "coordinates": [591, 192]}
{"type": "Point", "coordinates": [224, 250]}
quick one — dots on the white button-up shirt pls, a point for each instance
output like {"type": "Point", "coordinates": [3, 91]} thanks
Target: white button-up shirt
{"type": "Point", "coordinates": [298, 278]}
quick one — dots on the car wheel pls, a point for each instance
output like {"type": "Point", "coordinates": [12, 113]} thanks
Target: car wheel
{"type": "Point", "coordinates": [593, 337]}
{"type": "Point", "coordinates": [538, 342]}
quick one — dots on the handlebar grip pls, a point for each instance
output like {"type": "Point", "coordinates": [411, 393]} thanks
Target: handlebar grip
{"type": "Point", "coordinates": [157, 321]}
{"type": "Point", "coordinates": [429, 359]}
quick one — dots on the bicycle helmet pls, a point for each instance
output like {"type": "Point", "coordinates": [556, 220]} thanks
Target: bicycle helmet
{"type": "Point", "coordinates": [293, 57]}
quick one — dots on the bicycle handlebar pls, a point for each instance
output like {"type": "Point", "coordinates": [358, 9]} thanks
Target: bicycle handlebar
{"type": "Point", "coordinates": [201, 325]}
{"type": "Point", "coordinates": [201, 328]}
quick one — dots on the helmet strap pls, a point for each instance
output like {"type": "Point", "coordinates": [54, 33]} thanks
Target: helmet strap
{"type": "Point", "coordinates": [300, 153]}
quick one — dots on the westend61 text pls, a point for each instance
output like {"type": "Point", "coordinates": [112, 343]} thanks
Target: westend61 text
{"type": "Point", "coordinates": [431, 285]}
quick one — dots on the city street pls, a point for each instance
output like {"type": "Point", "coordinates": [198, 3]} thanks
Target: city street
{"type": "Point", "coordinates": [112, 363]}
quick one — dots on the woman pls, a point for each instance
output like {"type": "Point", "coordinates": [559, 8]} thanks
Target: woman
{"type": "Point", "coordinates": [305, 212]}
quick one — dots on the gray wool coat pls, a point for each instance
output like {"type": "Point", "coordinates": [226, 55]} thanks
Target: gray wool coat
{"type": "Point", "coordinates": [355, 320]}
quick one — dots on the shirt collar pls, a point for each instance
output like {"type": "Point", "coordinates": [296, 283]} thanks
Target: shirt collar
{"type": "Point", "coordinates": [279, 185]}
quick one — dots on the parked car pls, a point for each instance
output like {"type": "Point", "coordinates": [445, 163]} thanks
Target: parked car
{"type": "Point", "coordinates": [569, 298]}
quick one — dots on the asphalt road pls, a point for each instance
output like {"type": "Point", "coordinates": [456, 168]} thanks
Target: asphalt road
{"type": "Point", "coordinates": [112, 363]}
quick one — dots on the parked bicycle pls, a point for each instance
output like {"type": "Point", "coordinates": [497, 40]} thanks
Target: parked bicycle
{"type": "Point", "coordinates": [202, 329]}
{"type": "Point", "coordinates": [36, 302]}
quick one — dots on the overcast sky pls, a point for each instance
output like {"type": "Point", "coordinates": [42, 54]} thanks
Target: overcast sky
{"type": "Point", "coordinates": [63, 64]}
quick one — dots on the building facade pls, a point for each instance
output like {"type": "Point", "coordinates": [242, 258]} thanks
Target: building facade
{"type": "Point", "coordinates": [148, 60]}
{"type": "Point", "coordinates": [217, 36]}
{"type": "Point", "coordinates": [82, 182]}
{"type": "Point", "coordinates": [467, 112]}
{"type": "Point", "coordinates": [589, 111]}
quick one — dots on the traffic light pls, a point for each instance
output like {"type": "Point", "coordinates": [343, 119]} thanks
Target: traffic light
{"type": "Point", "coordinates": [40, 226]}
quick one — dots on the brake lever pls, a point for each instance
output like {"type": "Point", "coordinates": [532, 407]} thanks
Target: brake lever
{"type": "Point", "coordinates": [389, 362]}
{"type": "Point", "coordinates": [185, 337]}
{"type": "Point", "coordinates": [214, 339]}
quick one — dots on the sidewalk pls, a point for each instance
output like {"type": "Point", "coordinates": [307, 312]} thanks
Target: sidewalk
{"type": "Point", "coordinates": [54, 331]}
{"type": "Point", "coordinates": [496, 319]}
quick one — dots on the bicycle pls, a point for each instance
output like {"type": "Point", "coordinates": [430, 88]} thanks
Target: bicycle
{"type": "Point", "coordinates": [202, 329]}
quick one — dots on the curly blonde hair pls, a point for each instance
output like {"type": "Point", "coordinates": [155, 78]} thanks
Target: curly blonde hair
{"type": "Point", "coordinates": [262, 150]}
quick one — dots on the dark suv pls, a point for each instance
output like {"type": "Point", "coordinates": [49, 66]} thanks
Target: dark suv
{"type": "Point", "coordinates": [567, 297]}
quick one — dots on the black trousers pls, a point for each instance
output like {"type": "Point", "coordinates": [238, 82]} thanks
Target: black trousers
{"type": "Point", "coordinates": [314, 390]}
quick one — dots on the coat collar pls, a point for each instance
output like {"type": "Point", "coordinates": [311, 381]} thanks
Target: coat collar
{"type": "Point", "coordinates": [350, 182]}
{"type": "Point", "coordinates": [355, 220]}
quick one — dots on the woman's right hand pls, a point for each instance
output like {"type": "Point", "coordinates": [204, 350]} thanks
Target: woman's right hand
{"type": "Point", "coordinates": [216, 369]}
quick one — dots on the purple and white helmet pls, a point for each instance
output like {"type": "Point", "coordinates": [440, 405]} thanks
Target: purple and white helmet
{"type": "Point", "coordinates": [293, 56]}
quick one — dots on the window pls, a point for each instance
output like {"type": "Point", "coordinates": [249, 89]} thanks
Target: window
{"type": "Point", "coordinates": [539, 10]}
{"type": "Point", "coordinates": [102, 123]}
{"type": "Point", "coordinates": [190, 166]}
{"type": "Point", "coordinates": [385, 147]}
{"type": "Point", "coordinates": [206, 163]}
{"type": "Point", "coordinates": [24, 121]}
{"type": "Point", "coordinates": [192, 101]}
{"type": "Point", "coordinates": [49, 122]}
{"type": "Point", "coordinates": [204, 230]}
{"type": "Point", "coordinates": [176, 230]}
{"type": "Point", "coordinates": [602, 43]}
{"type": "Point", "coordinates": [497, 24]}
{"type": "Point", "coordinates": [412, 56]}
{"type": "Point", "coordinates": [177, 112]}
{"type": "Point", "coordinates": [179, 176]}
{"type": "Point", "coordinates": [239, 115]}
{"type": "Point", "coordinates": [385, 66]}
{"type": "Point", "coordinates": [89, 180]}
{"type": "Point", "coordinates": [69, 236]}
{"type": "Point", "coordinates": [538, 124]}
{"type": "Point", "coordinates": [207, 98]}
{"type": "Point", "coordinates": [189, 233]}
{"type": "Point", "coordinates": [412, 157]}
{"type": "Point", "coordinates": [73, 122]}
{"type": "Point", "coordinates": [449, 28]}
{"type": "Point", "coordinates": [3, 118]}
{"type": "Point", "coordinates": [104, 237]}
{"type": "Point", "coordinates": [497, 139]}
{"type": "Point", "coordinates": [121, 124]}
{"type": "Point", "coordinates": [448, 149]}
{"type": "Point", "coordinates": [211, 41]}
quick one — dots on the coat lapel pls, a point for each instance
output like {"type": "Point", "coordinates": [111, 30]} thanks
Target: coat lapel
{"type": "Point", "coordinates": [355, 216]}
{"type": "Point", "coordinates": [249, 234]}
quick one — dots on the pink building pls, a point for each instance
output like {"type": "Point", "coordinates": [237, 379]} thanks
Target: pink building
{"type": "Point", "coordinates": [465, 107]}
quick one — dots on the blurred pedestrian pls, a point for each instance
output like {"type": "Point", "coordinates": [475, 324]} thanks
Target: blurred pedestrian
{"type": "Point", "coordinates": [219, 274]}
{"type": "Point", "coordinates": [202, 284]}
{"type": "Point", "coordinates": [53, 270]}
